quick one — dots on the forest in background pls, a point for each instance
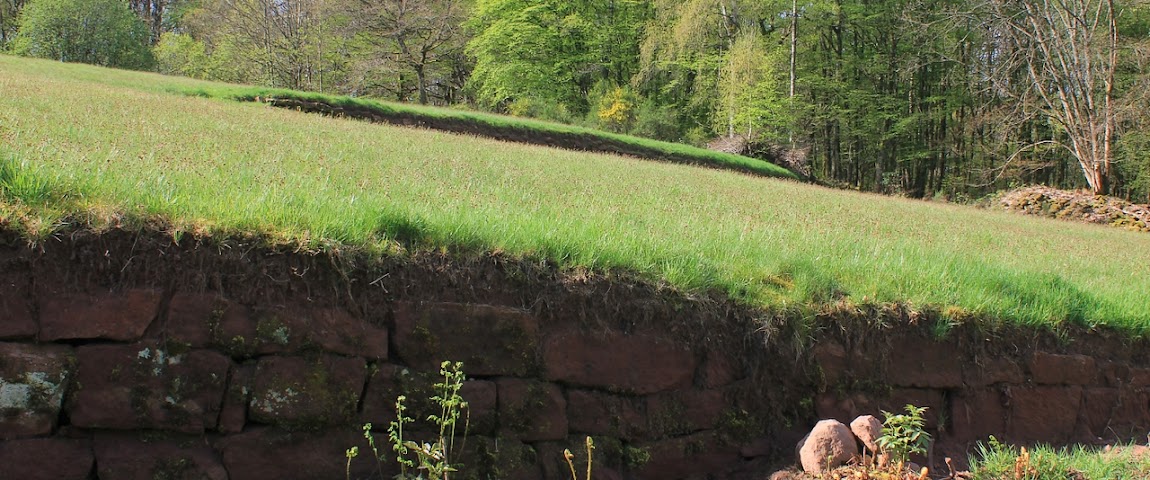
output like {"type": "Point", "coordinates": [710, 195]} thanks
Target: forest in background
{"type": "Point", "coordinates": [930, 99]}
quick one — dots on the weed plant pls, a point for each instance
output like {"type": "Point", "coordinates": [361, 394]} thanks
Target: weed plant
{"type": "Point", "coordinates": [112, 148]}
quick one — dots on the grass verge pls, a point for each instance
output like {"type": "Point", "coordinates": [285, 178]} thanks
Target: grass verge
{"type": "Point", "coordinates": [81, 144]}
{"type": "Point", "coordinates": [997, 461]}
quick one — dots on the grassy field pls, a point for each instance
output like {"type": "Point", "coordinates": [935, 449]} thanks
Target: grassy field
{"type": "Point", "coordinates": [83, 142]}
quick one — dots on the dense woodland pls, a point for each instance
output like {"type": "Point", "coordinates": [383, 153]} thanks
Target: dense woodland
{"type": "Point", "coordinates": [925, 98]}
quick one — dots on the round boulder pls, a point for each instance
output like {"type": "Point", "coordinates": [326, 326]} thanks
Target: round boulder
{"type": "Point", "coordinates": [867, 428]}
{"type": "Point", "coordinates": [829, 445]}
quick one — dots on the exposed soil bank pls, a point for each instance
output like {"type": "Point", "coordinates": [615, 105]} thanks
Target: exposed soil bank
{"type": "Point", "coordinates": [564, 140]}
{"type": "Point", "coordinates": [126, 355]}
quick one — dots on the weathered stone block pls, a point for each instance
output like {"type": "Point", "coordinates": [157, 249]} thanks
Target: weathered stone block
{"type": "Point", "coordinates": [489, 457]}
{"type": "Point", "coordinates": [831, 358]}
{"type": "Point", "coordinates": [244, 332]}
{"type": "Point", "coordinates": [604, 414]}
{"type": "Point", "coordinates": [32, 383]}
{"type": "Point", "coordinates": [199, 320]}
{"type": "Point", "coordinates": [46, 459]}
{"type": "Point", "coordinates": [234, 412]}
{"type": "Point", "coordinates": [128, 457]}
{"type": "Point", "coordinates": [684, 411]}
{"type": "Point", "coordinates": [16, 320]}
{"type": "Point", "coordinates": [639, 364]}
{"type": "Point", "coordinates": [299, 392]}
{"type": "Point", "coordinates": [265, 452]}
{"type": "Point", "coordinates": [1043, 414]}
{"type": "Point", "coordinates": [977, 414]}
{"type": "Point", "coordinates": [700, 454]}
{"type": "Point", "coordinates": [145, 385]}
{"type": "Point", "coordinates": [1051, 369]}
{"type": "Point", "coordinates": [924, 363]}
{"type": "Point", "coordinates": [1098, 404]}
{"type": "Point", "coordinates": [531, 411]}
{"type": "Point", "coordinates": [120, 316]}
{"type": "Point", "coordinates": [489, 340]}
{"type": "Point", "coordinates": [482, 402]}
{"type": "Point", "coordinates": [992, 371]}
{"type": "Point", "coordinates": [719, 369]}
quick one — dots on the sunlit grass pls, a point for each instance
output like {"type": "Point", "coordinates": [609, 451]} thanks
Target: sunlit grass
{"type": "Point", "coordinates": [104, 140]}
{"type": "Point", "coordinates": [997, 461]}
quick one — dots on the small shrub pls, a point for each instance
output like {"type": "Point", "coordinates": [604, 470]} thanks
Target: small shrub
{"type": "Point", "coordinates": [903, 435]}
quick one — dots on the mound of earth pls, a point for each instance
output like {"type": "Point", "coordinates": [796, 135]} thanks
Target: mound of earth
{"type": "Point", "coordinates": [1078, 206]}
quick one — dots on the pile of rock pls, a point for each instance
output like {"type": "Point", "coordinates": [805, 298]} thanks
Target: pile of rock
{"type": "Point", "coordinates": [832, 444]}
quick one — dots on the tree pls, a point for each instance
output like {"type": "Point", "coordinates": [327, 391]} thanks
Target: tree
{"type": "Point", "coordinates": [9, 14]}
{"type": "Point", "coordinates": [1060, 58]}
{"type": "Point", "coordinates": [282, 43]}
{"type": "Point", "coordinates": [418, 34]}
{"type": "Point", "coordinates": [99, 32]}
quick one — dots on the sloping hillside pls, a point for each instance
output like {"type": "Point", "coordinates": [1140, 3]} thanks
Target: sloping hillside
{"type": "Point", "coordinates": [84, 145]}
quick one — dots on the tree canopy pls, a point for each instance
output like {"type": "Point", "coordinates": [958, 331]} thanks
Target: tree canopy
{"type": "Point", "coordinates": [100, 32]}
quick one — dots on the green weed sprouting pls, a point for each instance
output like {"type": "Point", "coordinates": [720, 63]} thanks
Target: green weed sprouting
{"type": "Point", "coordinates": [432, 460]}
{"type": "Point", "coordinates": [903, 435]}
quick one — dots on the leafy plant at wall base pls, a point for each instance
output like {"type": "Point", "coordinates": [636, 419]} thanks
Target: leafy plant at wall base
{"type": "Point", "coordinates": [903, 435]}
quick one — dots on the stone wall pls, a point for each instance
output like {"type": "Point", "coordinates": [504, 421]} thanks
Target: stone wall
{"type": "Point", "coordinates": [128, 356]}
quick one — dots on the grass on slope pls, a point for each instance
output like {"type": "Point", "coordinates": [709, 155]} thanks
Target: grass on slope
{"type": "Point", "coordinates": [79, 139]}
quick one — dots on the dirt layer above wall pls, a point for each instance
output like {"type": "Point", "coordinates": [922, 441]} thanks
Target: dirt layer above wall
{"type": "Point", "coordinates": [129, 355]}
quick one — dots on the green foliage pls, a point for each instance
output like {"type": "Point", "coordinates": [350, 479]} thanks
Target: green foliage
{"type": "Point", "coordinates": [551, 51]}
{"type": "Point", "coordinates": [903, 435]}
{"type": "Point", "coordinates": [99, 32]}
{"type": "Point", "coordinates": [995, 460]}
{"type": "Point", "coordinates": [432, 459]}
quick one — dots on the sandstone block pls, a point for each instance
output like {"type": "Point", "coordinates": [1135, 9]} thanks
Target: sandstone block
{"type": "Point", "coordinates": [1051, 369]}
{"type": "Point", "coordinates": [1044, 414]}
{"type": "Point", "coordinates": [596, 413]}
{"type": "Point", "coordinates": [32, 383]}
{"type": "Point", "coordinates": [992, 371]}
{"type": "Point", "coordinates": [978, 414]}
{"type": "Point", "coordinates": [638, 364]}
{"type": "Point", "coordinates": [234, 411]}
{"type": "Point", "coordinates": [482, 403]}
{"type": "Point", "coordinates": [718, 370]}
{"type": "Point", "coordinates": [489, 340]}
{"type": "Point", "coordinates": [684, 411]}
{"type": "Point", "coordinates": [702, 455]}
{"type": "Point", "coordinates": [146, 386]}
{"type": "Point", "coordinates": [831, 357]}
{"type": "Point", "coordinates": [46, 459]}
{"type": "Point", "coordinates": [299, 392]}
{"type": "Point", "coordinates": [125, 456]}
{"type": "Point", "coordinates": [16, 320]}
{"type": "Point", "coordinates": [531, 411]}
{"type": "Point", "coordinates": [120, 316]}
{"type": "Point", "coordinates": [266, 452]}
{"type": "Point", "coordinates": [868, 430]}
{"type": "Point", "coordinates": [244, 332]}
{"type": "Point", "coordinates": [925, 363]}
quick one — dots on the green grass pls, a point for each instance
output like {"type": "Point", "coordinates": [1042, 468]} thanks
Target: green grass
{"type": "Point", "coordinates": [996, 461]}
{"type": "Point", "coordinates": [83, 142]}
{"type": "Point", "coordinates": [501, 123]}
